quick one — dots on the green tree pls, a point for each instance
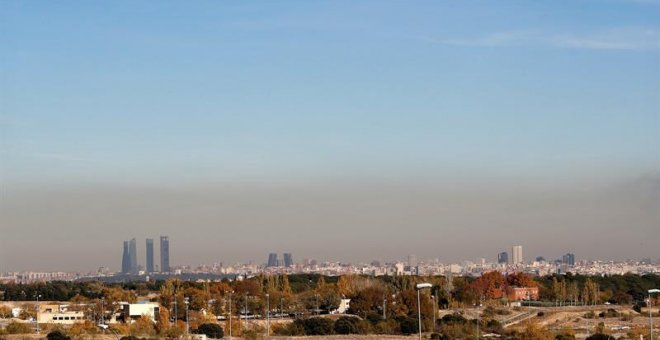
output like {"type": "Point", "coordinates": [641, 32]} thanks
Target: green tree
{"type": "Point", "coordinates": [211, 330]}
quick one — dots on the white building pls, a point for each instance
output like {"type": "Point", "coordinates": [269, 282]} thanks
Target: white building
{"type": "Point", "coordinates": [59, 314]}
{"type": "Point", "coordinates": [516, 255]}
{"type": "Point", "coordinates": [133, 311]}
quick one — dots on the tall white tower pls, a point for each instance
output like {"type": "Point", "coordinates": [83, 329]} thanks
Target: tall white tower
{"type": "Point", "coordinates": [516, 255]}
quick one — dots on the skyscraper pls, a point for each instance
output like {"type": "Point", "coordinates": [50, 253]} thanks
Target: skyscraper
{"type": "Point", "coordinates": [164, 254]}
{"type": "Point", "coordinates": [288, 260]}
{"type": "Point", "coordinates": [568, 259]}
{"type": "Point", "coordinates": [132, 253]}
{"type": "Point", "coordinates": [516, 255]}
{"type": "Point", "coordinates": [272, 260]}
{"type": "Point", "coordinates": [503, 258]}
{"type": "Point", "coordinates": [125, 260]}
{"type": "Point", "coordinates": [150, 255]}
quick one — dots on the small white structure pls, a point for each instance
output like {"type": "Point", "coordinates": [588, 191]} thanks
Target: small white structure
{"type": "Point", "coordinates": [16, 312]}
{"type": "Point", "coordinates": [344, 305]}
{"type": "Point", "coordinates": [133, 311]}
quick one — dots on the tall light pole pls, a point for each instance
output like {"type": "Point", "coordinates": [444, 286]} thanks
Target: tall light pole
{"type": "Point", "coordinates": [103, 311]}
{"type": "Point", "coordinates": [384, 307]}
{"type": "Point", "coordinates": [230, 293]}
{"type": "Point", "coordinates": [267, 315]}
{"type": "Point", "coordinates": [246, 310]}
{"type": "Point", "coordinates": [434, 306]}
{"type": "Point", "coordinates": [36, 316]}
{"type": "Point", "coordinates": [187, 301]}
{"type": "Point", "coordinates": [651, 292]}
{"type": "Point", "coordinates": [419, 287]}
{"type": "Point", "coordinates": [479, 316]}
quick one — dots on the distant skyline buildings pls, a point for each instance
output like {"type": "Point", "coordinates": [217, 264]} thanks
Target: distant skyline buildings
{"type": "Point", "coordinates": [150, 255]}
{"type": "Point", "coordinates": [126, 259]}
{"type": "Point", "coordinates": [129, 261]}
{"type": "Point", "coordinates": [165, 254]}
{"type": "Point", "coordinates": [274, 261]}
{"type": "Point", "coordinates": [132, 255]}
{"type": "Point", "coordinates": [503, 258]}
{"type": "Point", "coordinates": [568, 259]}
{"type": "Point", "coordinates": [517, 255]}
{"type": "Point", "coordinates": [288, 260]}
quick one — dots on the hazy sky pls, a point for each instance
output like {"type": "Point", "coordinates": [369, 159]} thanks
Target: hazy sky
{"type": "Point", "coordinates": [348, 130]}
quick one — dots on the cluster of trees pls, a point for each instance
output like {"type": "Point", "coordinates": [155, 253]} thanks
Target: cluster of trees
{"type": "Point", "coordinates": [386, 304]}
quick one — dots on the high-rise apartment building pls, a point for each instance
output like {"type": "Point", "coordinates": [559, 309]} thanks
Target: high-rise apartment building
{"type": "Point", "coordinates": [288, 260]}
{"type": "Point", "coordinates": [503, 258]}
{"type": "Point", "coordinates": [272, 260]}
{"type": "Point", "coordinates": [516, 255]}
{"type": "Point", "coordinates": [164, 254]}
{"type": "Point", "coordinates": [132, 252]}
{"type": "Point", "coordinates": [150, 255]}
{"type": "Point", "coordinates": [568, 259]}
{"type": "Point", "coordinates": [125, 259]}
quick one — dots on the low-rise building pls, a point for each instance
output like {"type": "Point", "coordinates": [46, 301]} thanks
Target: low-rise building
{"type": "Point", "coordinates": [58, 314]}
{"type": "Point", "coordinates": [133, 311]}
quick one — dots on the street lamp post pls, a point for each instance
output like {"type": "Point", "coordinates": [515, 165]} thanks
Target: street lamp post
{"type": "Point", "coordinates": [36, 316]}
{"type": "Point", "coordinates": [479, 317]}
{"type": "Point", "coordinates": [103, 311]}
{"type": "Point", "coordinates": [434, 306]}
{"type": "Point", "coordinates": [419, 287]}
{"type": "Point", "coordinates": [651, 292]}
{"type": "Point", "coordinates": [246, 309]}
{"type": "Point", "coordinates": [187, 301]}
{"type": "Point", "coordinates": [267, 315]}
{"type": "Point", "coordinates": [230, 293]}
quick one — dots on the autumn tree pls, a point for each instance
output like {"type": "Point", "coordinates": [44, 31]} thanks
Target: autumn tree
{"type": "Point", "coordinates": [489, 286]}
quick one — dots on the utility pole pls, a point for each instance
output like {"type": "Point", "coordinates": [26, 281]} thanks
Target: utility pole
{"type": "Point", "coordinates": [187, 301]}
{"type": "Point", "coordinates": [267, 315]}
{"type": "Point", "coordinates": [434, 306]}
{"type": "Point", "coordinates": [36, 317]}
{"type": "Point", "coordinates": [230, 293]}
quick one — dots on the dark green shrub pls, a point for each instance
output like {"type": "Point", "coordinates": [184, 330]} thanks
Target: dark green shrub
{"type": "Point", "coordinates": [564, 337]}
{"type": "Point", "coordinates": [408, 325]}
{"type": "Point", "coordinates": [317, 326]}
{"type": "Point", "coordinates": [211, 330]}
{"type": "Point", "coordinates": [57, 335]}
{"type": "Point", "coordinates": [601, 336]}
{"type": "Point", "coordinates": [347, 325]}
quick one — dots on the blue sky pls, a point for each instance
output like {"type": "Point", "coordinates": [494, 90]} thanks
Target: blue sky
{"type": "Point", "coordinates": [121, 91]}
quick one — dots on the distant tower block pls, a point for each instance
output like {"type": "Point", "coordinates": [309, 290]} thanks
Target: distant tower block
{"type": "Point", "coordinates": [517, 254]}
{"type": "Point", "coordinates": [503, 258]}
{"type": "Point", "coordinates": [288, 260]}
{"type": "Point", "coordinates": [164, 254]}
{"type": "Point", "coordinates": [150, 255]}
{"type": "Point", "coordinates": [272, 260]}
{"type": "Point", "coordinates": [132, 251]}
{"type": "Point", "coordinates": [126, 259]}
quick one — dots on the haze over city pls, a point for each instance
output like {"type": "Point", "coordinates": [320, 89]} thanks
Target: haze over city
{"type": "Point", "coordinates": [339, 130]}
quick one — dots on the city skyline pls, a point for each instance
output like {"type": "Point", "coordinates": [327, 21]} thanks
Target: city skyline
{"type": "Point", "coordinates": [347, 131]}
